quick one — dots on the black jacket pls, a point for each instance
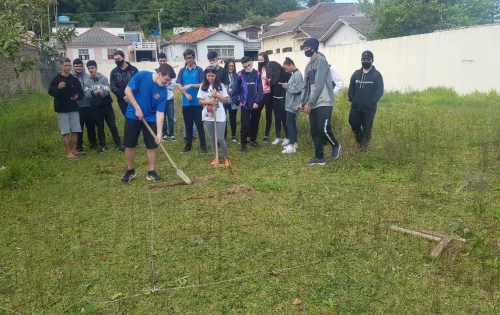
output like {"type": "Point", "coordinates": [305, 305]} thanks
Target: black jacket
{"type": "Point", "coordinates": [365, 90]}
{"type": "Point", "coordinates": [119, 79]}
{"type": "Point", "coordinates": [276, 89]}
{"type": "Point", "coordinates": [62, 97]}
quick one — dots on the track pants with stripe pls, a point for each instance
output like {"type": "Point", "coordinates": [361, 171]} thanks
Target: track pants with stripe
{"type": "Point", "coordinates": [321, 129]}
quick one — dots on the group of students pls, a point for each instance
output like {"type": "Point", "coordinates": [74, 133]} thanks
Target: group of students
{"type": "Point", "coordinates": [210, 96]}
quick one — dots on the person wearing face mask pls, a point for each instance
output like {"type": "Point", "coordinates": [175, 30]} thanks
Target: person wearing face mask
{"type": "Point", "coordinates": [147, 97]}
{"type": "Point", "coordinates": [97, 91]}
{"type": "Point", "coordinates": [365, 90]}
{"type": "Point", "coordinates": [317, 101]}
{"type": "Point", "coordinates": [120, 77]}
{"type": "Point", "coordinates": [247, 92]}
{"type": "Point", "coordinates": [222, 74]}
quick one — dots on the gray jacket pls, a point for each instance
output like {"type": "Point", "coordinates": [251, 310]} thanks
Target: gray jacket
{"type": "Point", "coordinates": [318, 85]}
{"type": "Point", "coordinates": [293, 88]}
{"type": "Point", "coordinates": [82, 77]}
{"type": "Point", "coordinates": [99, 83]}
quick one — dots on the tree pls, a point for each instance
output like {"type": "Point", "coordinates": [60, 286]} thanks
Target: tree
{"type": "Point", "coordinates": [396, 18]}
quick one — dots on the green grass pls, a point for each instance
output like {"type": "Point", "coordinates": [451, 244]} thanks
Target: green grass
{"type": "Point", "coordinates": [73, 239]}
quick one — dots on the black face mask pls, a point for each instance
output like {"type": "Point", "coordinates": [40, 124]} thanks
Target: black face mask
{"type": "Point", "coordinates": [119, 63]}
{"type": "Point", "coordinates": [261, 62]}
{"type": "Point", "coordinates": [309, 53]}
{"type": "Point", "coordinates": [366, 64]}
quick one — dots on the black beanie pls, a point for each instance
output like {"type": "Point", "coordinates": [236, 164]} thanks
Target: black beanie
{"type": "Point", "coordinates": [91, 63]}
{"type": "Point", "coordinates": [312, 43]}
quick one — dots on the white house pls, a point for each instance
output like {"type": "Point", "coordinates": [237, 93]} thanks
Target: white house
{"type": "Point", "coordinates": [349, 30]}
{"type": "Point", "coordinates": [201, 41]}
{"type": "Point", "coordinates": [253, 44]}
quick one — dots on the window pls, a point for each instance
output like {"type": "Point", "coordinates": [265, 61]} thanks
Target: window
{"type": "Point", "coordinates": [134, 38]}
{"type": "Point", "coordinates": [223, 52]}
{"type": "Point", "coordinates": [252, 34]}
{"type": "Point", "coordinates": [277, 50]}
{"type": "Point", "coordinates": [111, 51]}
{"type": "Point", "coordinates": [269, 52]}
{"type": "Point", "coordinates": [83, 54]}
{"type": "Point", "coordinates": [287, 49]}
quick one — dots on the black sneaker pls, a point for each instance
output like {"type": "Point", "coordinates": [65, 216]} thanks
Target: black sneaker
{"type": "Point", "coordinates": [203, 150]}
{"type": "Point", "coordinates": [243, 148]}
{"type": "Point", "coordinates": [93, 146]}
{"type": "Point", "coordinates": [120, 148]}
{"type": "Point", "coordinates": [129, 175]}
{"type": "Point", "coordinates": [234, 140]}
{"type": "Point", "coordinates": [186, 150]}
{"type": "Point", "coordinates": [154, 177]}
{"type": "Point", "coordinates": [101, 150]}
{"type": "Point", "coordinates": [254, 144]}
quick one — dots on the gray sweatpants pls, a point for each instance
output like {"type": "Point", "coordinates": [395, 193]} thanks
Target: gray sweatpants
{"type": "Point", "coordinates": [221, 127]}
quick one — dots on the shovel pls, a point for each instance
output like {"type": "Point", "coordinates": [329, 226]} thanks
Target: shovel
{"type": "Point", "coordinates": [180, 173]}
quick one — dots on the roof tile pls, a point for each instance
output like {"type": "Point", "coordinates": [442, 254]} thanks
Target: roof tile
{"type": "Point", "coordinates": [98, 36]}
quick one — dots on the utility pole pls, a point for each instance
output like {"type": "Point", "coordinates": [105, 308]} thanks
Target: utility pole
{"type": "Point", "coordinates": [159, 30]}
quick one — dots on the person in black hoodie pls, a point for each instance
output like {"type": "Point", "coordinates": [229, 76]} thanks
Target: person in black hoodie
{"type": "Point", "coordinates": [276, 75]}
{"type": "Point", "coordinates": [97, 90]}
{"type": "Point", "coordinates": [66, 90]}
{"type": "Point", "coordinates": [365, 90]}
{"type": "Point", "coordinates": [120, 77]}
{"type": "Point", "coordinates": [247, 92]}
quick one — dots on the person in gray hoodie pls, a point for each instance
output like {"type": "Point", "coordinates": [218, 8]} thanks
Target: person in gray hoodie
{"type": "Point", "coordinates": [97, 90]}
{"type": "Point", "coordinates": [293, 90]}
{"type": "Point", "coordinates": [317, 101]}
{"type": "Point", "coordinates": [86, 117]}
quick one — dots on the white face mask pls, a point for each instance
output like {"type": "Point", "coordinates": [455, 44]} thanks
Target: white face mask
{"type": "Point", "coordinates": [249, 69]}
{"type": "Point", "coordinates": [214, 64]}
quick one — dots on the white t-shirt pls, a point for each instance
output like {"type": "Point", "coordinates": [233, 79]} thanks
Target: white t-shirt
{"type": "Point", "coordinates": [221, 113]}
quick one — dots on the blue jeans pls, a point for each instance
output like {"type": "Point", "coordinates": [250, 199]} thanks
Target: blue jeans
{"type": "Point", "coordinates": [168, 123]}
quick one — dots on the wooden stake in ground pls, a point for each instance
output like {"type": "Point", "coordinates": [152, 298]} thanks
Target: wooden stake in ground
{"type": "Point", "coordinates": [443, 239]}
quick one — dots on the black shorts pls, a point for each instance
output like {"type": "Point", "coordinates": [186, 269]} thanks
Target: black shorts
{"type": "Point", "coordinates": [133, 129]}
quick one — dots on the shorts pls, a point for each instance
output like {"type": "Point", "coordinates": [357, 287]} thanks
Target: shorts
{"type": "Point", "coordinates": [69, 122]}
{"type": "Point", "coordinates": [133, 128]}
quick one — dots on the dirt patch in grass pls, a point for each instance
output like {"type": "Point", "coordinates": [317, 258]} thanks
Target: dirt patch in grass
{"type": "Point", "coordinates": [235, 191]}
{"type": "Point", "coordinates": [196, 182]}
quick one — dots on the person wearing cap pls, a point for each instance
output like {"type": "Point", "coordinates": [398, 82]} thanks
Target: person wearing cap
{"type": "Point", "coordinates": [84, 109]}
{"type": "Point", "coordinates": [317, 101]}
{"type": "Point", "coordinates": [97, 89]}
{"type": "Point", "coordinates": [365, 90]}
{"type": "Point", "coordinates": [147, 97]}
{"type": "Point", "coordinates": [168, 125]}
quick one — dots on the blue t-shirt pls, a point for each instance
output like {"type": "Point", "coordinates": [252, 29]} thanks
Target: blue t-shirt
{"type": "Point", "coordinates": [150, 96]}
{"type": "Point", "coordinates": [193, 76]}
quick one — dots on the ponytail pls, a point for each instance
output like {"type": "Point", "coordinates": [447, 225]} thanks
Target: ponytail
{"type": "Point", "coordinates": [288, 62]}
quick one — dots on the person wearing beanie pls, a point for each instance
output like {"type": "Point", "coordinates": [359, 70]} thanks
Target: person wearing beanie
{"type": "Point", "coordinates": [365, 90]}
{"type": "Point", "coordinates": [317, 101]}
{"type": "Point", "coordinates": [84, 109]}
{"type": "Point", "coordinates": [97, 90]}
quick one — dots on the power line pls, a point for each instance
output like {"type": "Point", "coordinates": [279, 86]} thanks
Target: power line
{"type": "Point", "coordinates": [153, 10]}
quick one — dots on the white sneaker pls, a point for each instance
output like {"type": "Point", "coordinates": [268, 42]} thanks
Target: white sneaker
{"type": "Point", "coordinates": [277, 141]}
{"type": "Point", "coordinates": [296, 145]}
{"type": "Point", "coordinates": [289, 149]}
{"type": "Point", "coordinates": [285, 142]}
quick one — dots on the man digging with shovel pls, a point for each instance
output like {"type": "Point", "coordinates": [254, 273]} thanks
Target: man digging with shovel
{"type": "Point", "coordinates": [147, 98]}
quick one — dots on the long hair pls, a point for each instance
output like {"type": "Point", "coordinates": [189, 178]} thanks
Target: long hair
{"type": "Point", "coordinates": [273, 70]}
{"type": "Point", "coordinates": [266, 61]}
{"type": "Point", "coordinates": [226, 65]}
{"type": "Point", "coordinates": [216, 86]}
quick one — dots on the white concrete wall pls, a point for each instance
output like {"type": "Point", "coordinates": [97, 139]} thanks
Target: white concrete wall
{"type": "Point", "coordinates": [464, 59]}
{"type": "Point", "coordinates": [345, 35]}
{"type": "Point", "coordinates": [97, 53]}
{"type": "Point", "coordinates": [175, 52]}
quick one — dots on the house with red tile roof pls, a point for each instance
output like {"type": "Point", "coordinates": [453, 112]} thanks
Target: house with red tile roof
{"type": "Point", "coordinates": [202, 40]}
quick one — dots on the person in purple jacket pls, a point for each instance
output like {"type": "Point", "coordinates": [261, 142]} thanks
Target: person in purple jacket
{"type": "Point", "coordinates": [248, 93]}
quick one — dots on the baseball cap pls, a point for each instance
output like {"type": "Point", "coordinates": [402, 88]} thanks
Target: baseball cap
{"type": "Point", "coordinates": [367, 55]}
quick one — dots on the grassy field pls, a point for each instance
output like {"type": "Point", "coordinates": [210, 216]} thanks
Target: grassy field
{"type": "Point", "coordinates": [273, 236]}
